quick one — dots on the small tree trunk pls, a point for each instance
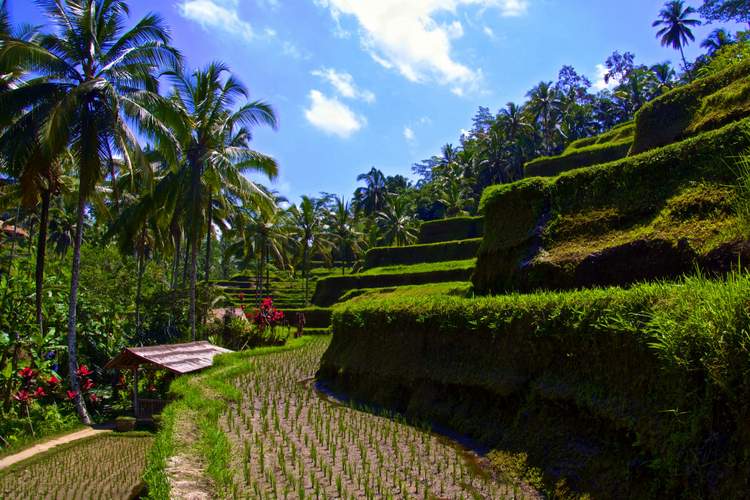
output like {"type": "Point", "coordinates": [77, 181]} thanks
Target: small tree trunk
{"type": "Point", "coordinates": [684, 63]}
{"type": "Point", "coordinates": [193, 279]}
{"type": "Point", "coordinates": [41, 253]}
{"type": "Point", "coordinates": [208, 240]}
{"type": "Point", "coordinates": [139, 282]}
{"type": "Point", "coordinates": [304, 270]}
{"type": "Point", "coordinates": [176, 264]}
{"type": "Point", "coordinates": [80, 404]}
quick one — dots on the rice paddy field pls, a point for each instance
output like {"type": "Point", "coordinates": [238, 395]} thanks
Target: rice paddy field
{"type": "Point", "coordinates": [102, 467]}
{"type": "Point", "coordinates": [290, 441]}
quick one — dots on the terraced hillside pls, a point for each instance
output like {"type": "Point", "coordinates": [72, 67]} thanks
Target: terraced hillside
{"type": "Point", "coordinates": [630, 379]}
{"type": "Point", "coordinates": [446, 253]}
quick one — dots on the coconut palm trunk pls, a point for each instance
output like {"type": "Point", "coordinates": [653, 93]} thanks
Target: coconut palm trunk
{"type": "Point", "coordinates": [208, 239]}
{"type": "Point", "coordinates": [41, 253]}
{"type": "Point", "coordinates": [78, 400]}
{"type": "Point", "coordinates": [193, 279]}
{"type": "Point", "coordinates": [139, 282]}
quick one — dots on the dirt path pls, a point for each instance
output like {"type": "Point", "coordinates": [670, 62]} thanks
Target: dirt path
{"type": "Point", "coordinates": [186, 471]}
{"type": "Point", "coordinates": [47, 445]}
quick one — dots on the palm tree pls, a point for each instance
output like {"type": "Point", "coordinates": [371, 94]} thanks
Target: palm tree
{"type": "Point", "coordinates": [342, 226]}
{"type": "Point", "coordinates": [717, 40]}
{"type": "Point", "coordinates": [397, 222]}
{"type": "Point", "coordinates": [664, 75]}
{"type": "Point", "coordinates": [372, 197]}
{"type": "Point", "coordinates": [675, 22]}
{"type": "Point", "coordinates": [214, 142]}
{"type": "Point", "coordinates": [311, 236]}
{"type": "Point", "coordinates": [544, 106]}
{"type": "Point", "coordinates": [94, 78]}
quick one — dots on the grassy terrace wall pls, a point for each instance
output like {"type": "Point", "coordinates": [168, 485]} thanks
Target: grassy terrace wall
{"type": "Point", "coordinates": [457, 228]}
{"type": "Point", "coordinates": [644, 217]}
{"type": "Point", "coordinates": [610, 146]}
{"type": "Point", "coordinates": [418, 254]}
{"type": "Point", "coordinates": [329, 290]}
{"type": "Point", "coordinates": [315, 317]}
{"type": "Point", "coordinates": [705, 104]}
{"type": "Point", "coordinates": [639, 393]}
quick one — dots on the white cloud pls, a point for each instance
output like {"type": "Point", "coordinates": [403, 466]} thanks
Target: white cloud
{"type": "Point", "coordinates": [344, 84]}
{"type": "Point", "coordinates": [599, 83]}
{"type": "Point", "coordinates": [217, 15]}
{"type": "Point", "coordinates": [332, 116]}
{"type": "Point", "coordinates": [409, 134]}
{"type": "Point", "coordinates": [489, 32]}
{"type": "Point", "coordinates": [406, 36]}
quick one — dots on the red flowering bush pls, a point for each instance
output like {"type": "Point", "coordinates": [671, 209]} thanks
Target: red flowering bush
{"type": "Point", "coordinates": [267, 316]}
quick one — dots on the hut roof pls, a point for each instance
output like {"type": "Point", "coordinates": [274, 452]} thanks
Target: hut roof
{"type": "Point", "coordinates": [178, 358]}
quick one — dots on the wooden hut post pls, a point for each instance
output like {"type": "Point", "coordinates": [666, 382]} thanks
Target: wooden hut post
{"type": "Point", "coordinates": [135, 391]}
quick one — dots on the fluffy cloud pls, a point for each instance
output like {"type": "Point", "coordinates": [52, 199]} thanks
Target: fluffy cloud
{"type": "Point", "coordinates": [344, 84]}
{"type": "Point", "coordinates": [217, 14]}
{"type": "Point", "coordinates": [332, 116]}
{"type": "Point", "coordinates": [405, 35]}
{"type": "Point", "coordinates": [409, 134]}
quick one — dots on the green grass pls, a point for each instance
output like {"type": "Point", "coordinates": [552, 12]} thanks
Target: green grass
{"type": "Point", "coordinates": [457, 288]}
{"type": "Point", "coordinates": [423, 253]}
{"type": "Point", "coordinates": [453, 229]}
{"type": "Point", "coordinates": [428, 267]}
{"type": "Point", "coordinates": [654, 374]}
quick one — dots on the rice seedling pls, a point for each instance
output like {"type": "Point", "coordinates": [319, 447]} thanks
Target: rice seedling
{"type": "Point", "coordinates": [288, 441]}
{"type": "Point", "coordinates": [108, 466]}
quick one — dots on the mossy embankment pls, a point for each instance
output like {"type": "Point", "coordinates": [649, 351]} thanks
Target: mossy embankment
{"type": "Point", "coordinates": [610, 146]}
{"type": "Point", "coordinates": [620, 393]}
{"type": "Point", "coordinates": [650, 216]}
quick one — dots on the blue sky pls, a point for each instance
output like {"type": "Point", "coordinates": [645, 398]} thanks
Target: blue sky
{"type": "Point", "coordinates": [385, 83]}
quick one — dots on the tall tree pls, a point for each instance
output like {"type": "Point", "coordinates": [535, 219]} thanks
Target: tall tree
{"type": "Point", "coordinates": [311, 234]}
{"type": "Point", "coordinates": [726, 10]}
{"type": "Point", "coordinates": [98, 74]}
{"type": "Point", "coordinates": [397, 222]}
{"type": "Point", "coordinates": [675, 25]}
{"type": "Point", "coordinates": [203, 122]}
{"type": "Point", "coordinates": [372, 197]}
{"type": "Point", "coordinates": [717, 40]}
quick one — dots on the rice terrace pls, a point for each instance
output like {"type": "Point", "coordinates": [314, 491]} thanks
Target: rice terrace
{"type": "Point", "coordinates": [374, 249]}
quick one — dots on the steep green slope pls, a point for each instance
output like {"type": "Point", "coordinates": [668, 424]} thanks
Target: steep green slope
{"type": "Point", "coordinates": [636, 393]}
{"type": "Point", "coordinates": [644, 217]}
{"type": "Point", "coordinates": [705, 104]}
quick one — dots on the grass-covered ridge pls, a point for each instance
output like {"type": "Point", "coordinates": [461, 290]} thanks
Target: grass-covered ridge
{"type": "Point", "coordinates": [706, 104]}
{"type": "Point", "coordinates": [612, 145]}
{"type": "Point", "coordinates": [456, 288]}
{"type": "Point", "coordinates": [643, 217]}
{"type": "Point", "coordinates": [453, 229]}
{"type": "Point", "coordinates": [422, 254]}
{"type": "Point", "coordinates": [651, 381]}
{"type": "Point", "coordinates": [330, 290]}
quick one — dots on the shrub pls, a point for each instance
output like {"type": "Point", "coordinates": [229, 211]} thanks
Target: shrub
{"type": "Point", "coordinates": [456, 228]}
{"type": "Point", "coordinates": [418, 254]}
{"type": "Point", "coordinates": [652, 381]}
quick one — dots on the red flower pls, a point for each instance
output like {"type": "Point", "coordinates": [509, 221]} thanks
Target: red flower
{"type": "Point", "coordinates": [53, 380]}
{"type": "Point", "coordinates": [267, 302]}
{"type": "Point", "coordinates": [83, 371]}
{"type": "Point", "coordinates": [27, 373]}
{"type": "Point", "coordinates": [22, 396]}
{"type": "Point", "coordinates": [88, 384]}
{"type": "Point", "coordinates": [39, 393]}
{"type": "Point", "coordinates": [72, 395]}
{"type": "Point", "coordinates": [93, 398]}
